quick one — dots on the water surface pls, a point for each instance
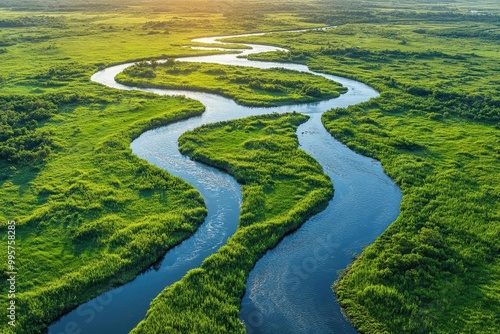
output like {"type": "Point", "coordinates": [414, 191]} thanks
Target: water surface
{"type": "Point", "coordinates": [289, 290]}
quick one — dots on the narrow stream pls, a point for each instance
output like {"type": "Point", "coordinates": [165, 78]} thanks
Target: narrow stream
{"type": "Point", "coordinates": [289, 290]}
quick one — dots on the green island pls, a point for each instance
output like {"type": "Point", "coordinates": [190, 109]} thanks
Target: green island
{"type": "Point", "coordinates": [90, 215]}
{"type": "Point", "coordinates": [212, 293]}
{"type": "Point", "coordinates": [247, 86]}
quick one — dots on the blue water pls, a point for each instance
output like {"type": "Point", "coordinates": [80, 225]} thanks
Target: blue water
{"type": "Point", "coordinates": [289, 290]}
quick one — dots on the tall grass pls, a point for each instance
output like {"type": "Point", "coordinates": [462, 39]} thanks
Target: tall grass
{"type": "Point", "coordinates": [435, 130]}
{"type": "Point", "coordinates": [279, 193]}
{"type": "Point", "coordinates": [90, 214]}
{"type": "Point", "coordinates": [247, 86]}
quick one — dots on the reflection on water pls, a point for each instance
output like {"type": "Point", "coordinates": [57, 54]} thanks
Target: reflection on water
{"type": "Point", "coordinates": [289, 289]}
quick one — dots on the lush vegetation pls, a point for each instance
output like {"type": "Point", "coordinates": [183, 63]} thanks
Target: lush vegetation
{"type": "Point", "coordinates": [91, 215]}
{"type": "Point", "coordinates": [21, 140]}
{"type": "Point", "coordinates": [435, 128]}
{"type": "Point", "coordinates": [247, 86]}
{"type": "Point", "coordinates": [284, 188]}
{"type": "Point", "coordinates": [45, 52]}
{"type": "Point", "coordinates": [436, 268]}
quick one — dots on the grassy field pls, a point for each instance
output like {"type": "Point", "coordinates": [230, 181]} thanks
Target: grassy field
{"type": "Point", "coordinates": [435, 128]}
{"type": "Point", "coordinates": [91, 215]}
{"type": "Point", "coordinates": [212, 293]}
{"type": "Point", "coordinates": [247, 86]}
{"type": "Point", "coordinates": [44, 52]}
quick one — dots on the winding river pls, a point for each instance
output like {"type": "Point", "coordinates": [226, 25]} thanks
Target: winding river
{"type": "Point", "coordinates": [289, 290]}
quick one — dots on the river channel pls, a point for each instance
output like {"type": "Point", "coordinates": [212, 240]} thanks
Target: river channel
{"type": "Point", "coordinates": [289, 290]}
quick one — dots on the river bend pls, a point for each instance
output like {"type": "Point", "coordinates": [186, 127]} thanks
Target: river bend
{"type": "Point", "coordinates": [289, 290]}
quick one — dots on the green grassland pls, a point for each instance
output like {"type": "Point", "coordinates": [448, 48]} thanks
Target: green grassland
{"type": "Point", "coordinates": [279, 193]}
{"type": "Point", "coordinates": [247, 86]}
{"type": "Point", "coordinates": [435, 129]}
{"type": "Point", "coordinates": [90, 215]}
{"type": "Point", "coordinates": [44, 52]}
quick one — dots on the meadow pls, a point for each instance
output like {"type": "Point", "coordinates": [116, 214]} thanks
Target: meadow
{"type": "Point", "coordinates": [212, 293]}
{"type": "Point", "coordinates": [435, 129]}
{"type": "Point", "coordinates": [247, 86]}
{"type": "Point", "coordinates": [90, 215]}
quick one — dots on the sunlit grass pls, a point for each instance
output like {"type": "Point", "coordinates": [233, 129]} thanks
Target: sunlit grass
{"type": "Point", "coordinates": [92, 215]}
{"type": "Point", "coordinates": [435, 130]}
{"type": "Point", "coordinates": [247, 86]}
{"type": "Point", "coordinates": [279, 193]}
{"type": "Point", "coordinates": [83, 221]}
